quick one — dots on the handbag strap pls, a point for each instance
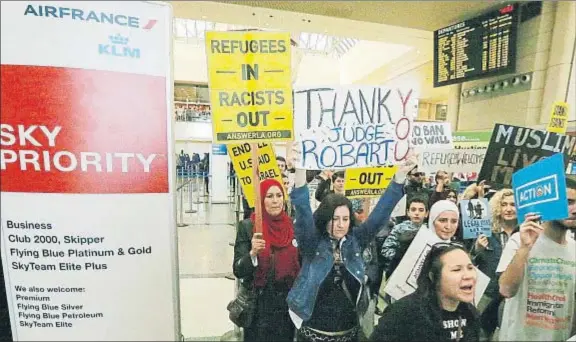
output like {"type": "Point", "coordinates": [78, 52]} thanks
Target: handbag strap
{"type": "Point", "coordinates": [347, 292]}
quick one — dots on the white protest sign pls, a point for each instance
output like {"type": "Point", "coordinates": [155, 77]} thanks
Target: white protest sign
{"type": "Point", "coordinates": [458, 160]}
{"type": "Point", "coordinates": [96, 259]}
{"type": "Point", "coordinates": [432, 135]}
{"type": "Point", "coordinates": [342, 127]}
{"type": "Point", "coordinates": [404, 280]}
{"type": "Point", "coordinates": [400, 208]}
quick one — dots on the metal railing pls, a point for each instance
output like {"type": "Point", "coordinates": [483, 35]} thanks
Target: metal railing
{"type": "Point", "coordinates": [191, 184]}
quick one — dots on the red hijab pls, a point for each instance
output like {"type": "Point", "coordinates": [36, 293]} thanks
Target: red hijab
{"type": "Point", "coordinates": [278, 232]}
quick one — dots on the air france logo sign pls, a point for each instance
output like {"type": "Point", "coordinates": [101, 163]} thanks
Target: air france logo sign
{"type": "Point", "coordinates": [89, 16]}
{"type": "Point", "coordinates": [540, 191]}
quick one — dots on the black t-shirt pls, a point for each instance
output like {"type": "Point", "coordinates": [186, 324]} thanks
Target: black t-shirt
{"type": "Point", "coordinates": [334, 311]}
{"type": "Point", "coordinates": [456, 325]}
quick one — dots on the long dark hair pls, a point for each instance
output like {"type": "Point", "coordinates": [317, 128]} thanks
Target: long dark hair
{"type": "Point", "coordinates": [325, 212]}
{"type": "Point", "coordinates": [429, 280]}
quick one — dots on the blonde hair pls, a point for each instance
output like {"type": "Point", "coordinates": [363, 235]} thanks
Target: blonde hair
{"type": "Point", "coordinates": [496, 207]}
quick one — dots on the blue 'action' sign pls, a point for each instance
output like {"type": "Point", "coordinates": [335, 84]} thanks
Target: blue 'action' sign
{"type": "Point", "coordinates": [541, 188]}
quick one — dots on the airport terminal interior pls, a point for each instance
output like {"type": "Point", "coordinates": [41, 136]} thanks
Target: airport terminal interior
{"type": "Point", "coordinates": [348, 43]}
{"type": "Point", "coordinates": [522, 71]}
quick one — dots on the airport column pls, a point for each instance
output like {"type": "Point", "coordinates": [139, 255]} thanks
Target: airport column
{"type": "Point", "coordinates": [89, 248]}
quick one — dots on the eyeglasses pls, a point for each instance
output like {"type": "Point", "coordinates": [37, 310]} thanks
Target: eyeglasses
{"type": "Point", "coordinates": [443, 245]}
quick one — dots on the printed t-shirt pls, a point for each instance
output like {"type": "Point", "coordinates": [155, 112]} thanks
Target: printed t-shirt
{"type": "Point", "coordinates": [543, 308]}
{"type": "Point", "coordinates": [457, 325]}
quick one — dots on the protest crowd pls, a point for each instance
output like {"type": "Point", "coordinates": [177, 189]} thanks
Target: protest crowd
{"type": "Point", "coordinates": [436, 257]}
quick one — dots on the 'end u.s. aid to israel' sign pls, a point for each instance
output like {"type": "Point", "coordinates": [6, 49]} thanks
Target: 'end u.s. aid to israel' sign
{"type": "Point", "coordinates": [86, 171]}
{"type": "Point", "coordinates": [541, 188]}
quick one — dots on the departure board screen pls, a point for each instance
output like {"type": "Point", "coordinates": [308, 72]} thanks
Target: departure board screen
{"type": "Point", "coordinates": [476, 48]}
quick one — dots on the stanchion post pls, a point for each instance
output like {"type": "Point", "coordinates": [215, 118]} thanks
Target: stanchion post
{"type": "Point", "coordinates": [190, 199]}
{"type": "Point", "coordinates": [180, 220]}
{"type": "Point", "coordinates": [197, 175]}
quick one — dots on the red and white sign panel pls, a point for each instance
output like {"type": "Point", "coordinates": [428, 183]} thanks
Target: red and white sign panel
{"type": "Point", "coordinates": [86, 171]}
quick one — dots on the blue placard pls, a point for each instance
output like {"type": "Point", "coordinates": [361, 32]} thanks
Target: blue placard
{"type": "Point", "coordinates": [476, 218]}
{"type": "Point", "coordinates": [541, 188]}
{"type": "Point", "coordinates": [219, 149]}
{"type": "Point", "coordinates": [573, 172]}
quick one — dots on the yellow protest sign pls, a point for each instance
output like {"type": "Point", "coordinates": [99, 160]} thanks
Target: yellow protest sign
{"type": "Point", "coordinates": [558, 118]}
{"type": "Point", "coordinates": [242, 161]}
{"type": "Point", "coordinates": [368, 181]}
{"type": "Point", "coordinates": [250, 86]}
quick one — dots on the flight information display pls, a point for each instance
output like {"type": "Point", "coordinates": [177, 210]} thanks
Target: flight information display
{"type": "Point", "coordinates": [476, 48]}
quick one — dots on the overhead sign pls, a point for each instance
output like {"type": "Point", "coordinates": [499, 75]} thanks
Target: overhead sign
{"type": "Point", "coordinates": [457, 160]}
{"type": "Point", "coordinates": [471, 139]}
{"type": "Point", "coordinates": [368, 182]}
{"type": "Point", "coordinates": [219, 149]}
{"type": "Point", "coordinates": [241, 155]}
{"type": "Point", "coordinates": [513, 148]}
{"type": "Point", "coordinates": [88, 262]}
{"type": "Point", "coordinates": [558, 118]}
{"type": "Point", "coordinates": [476, 218]}
{"type": "Point", "coordinates": [250, 86]}
{"type": "Point", "coordinates": [404, 280]}
{"type": "Point", "coordinates": [360, 126]}
{"type": "Point", "coordinates": [432, 135]}
{"type": "Point", "coordinates": [478, 47]}
{"type": "Point", "coordinates": [541, 188]}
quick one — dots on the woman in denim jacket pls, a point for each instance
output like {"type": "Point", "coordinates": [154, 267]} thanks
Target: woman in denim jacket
{"type": "Point", "coordinates": [330, 293]}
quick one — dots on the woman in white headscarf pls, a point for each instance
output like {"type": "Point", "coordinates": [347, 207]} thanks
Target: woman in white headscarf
{"type": "Point", "coordinates": [443, 219]}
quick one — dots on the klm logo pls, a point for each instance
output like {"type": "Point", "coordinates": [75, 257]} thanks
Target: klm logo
{"type": "Point", "coordinates": [539, 191]}
{"type": "Point", "coordinates": [118, 46]}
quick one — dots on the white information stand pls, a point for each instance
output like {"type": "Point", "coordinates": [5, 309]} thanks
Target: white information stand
{"type": "Point", "coordinates": [89, 246]}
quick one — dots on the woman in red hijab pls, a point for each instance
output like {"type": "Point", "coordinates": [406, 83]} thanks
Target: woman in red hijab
{"type": "Point", "coordinates": [269, 262]}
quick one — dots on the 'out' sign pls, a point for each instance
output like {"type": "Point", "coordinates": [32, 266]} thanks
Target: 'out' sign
{"type": "Point", "coordinates": [250, 86]}
{"type": "Point", "coordinates": [368, 182]}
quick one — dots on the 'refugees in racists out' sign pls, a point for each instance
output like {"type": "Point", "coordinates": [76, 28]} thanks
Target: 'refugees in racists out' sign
{"type": "Point", "coordinates": [512, 148]}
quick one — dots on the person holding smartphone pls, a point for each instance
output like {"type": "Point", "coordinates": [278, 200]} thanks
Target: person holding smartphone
{"type": "Point", "coordinates": [268, 262]}
{"type": "Point", "coordinates": [538, 278]}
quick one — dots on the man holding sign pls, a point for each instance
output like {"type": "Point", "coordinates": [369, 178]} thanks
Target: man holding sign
{"type": "Point", "coordinates": [538, 279]}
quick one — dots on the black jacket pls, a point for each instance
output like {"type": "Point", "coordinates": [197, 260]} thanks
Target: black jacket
{"type": "Point", "coordinates": [243, 267]}
{"type": "Point", "coordinates": [323, 189]}
{"type": "Point", "coordinates": [417, 318]}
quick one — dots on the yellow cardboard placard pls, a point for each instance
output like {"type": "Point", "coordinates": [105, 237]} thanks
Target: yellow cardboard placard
{"type": "Point", "coordinates": [368, 182]}
{"type": "Point", "coordinates": [241, 156]}
{"type": "Point", "coordinates": [558, 118]}
{"type": "Point", "coordinates": [250, 80]}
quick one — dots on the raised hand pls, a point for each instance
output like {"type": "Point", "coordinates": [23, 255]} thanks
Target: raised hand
{"type": "Point", "coordinates": [481, 243]}
{"type": "Point", "coordinates": [530, 230]}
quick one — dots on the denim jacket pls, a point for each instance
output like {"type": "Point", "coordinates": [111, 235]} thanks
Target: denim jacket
{"type": "Point", "coordinates": [316, 250]}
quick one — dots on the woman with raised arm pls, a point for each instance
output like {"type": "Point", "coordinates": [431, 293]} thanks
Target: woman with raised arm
{"type": "Point", "coordinates": [330, 292]}
{"type": "Point", "coordinates": [268, 263]}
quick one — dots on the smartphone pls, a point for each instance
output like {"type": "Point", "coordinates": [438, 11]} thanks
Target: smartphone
{"type": "Point", "coordinates": [258, 236]}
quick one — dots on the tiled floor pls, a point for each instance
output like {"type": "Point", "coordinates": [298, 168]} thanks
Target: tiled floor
{"type": "Point", "coordinates": [205, 259]}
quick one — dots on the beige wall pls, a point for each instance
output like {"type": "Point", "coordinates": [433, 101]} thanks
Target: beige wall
{"type": "Point", "coordinates": [545, 47]}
